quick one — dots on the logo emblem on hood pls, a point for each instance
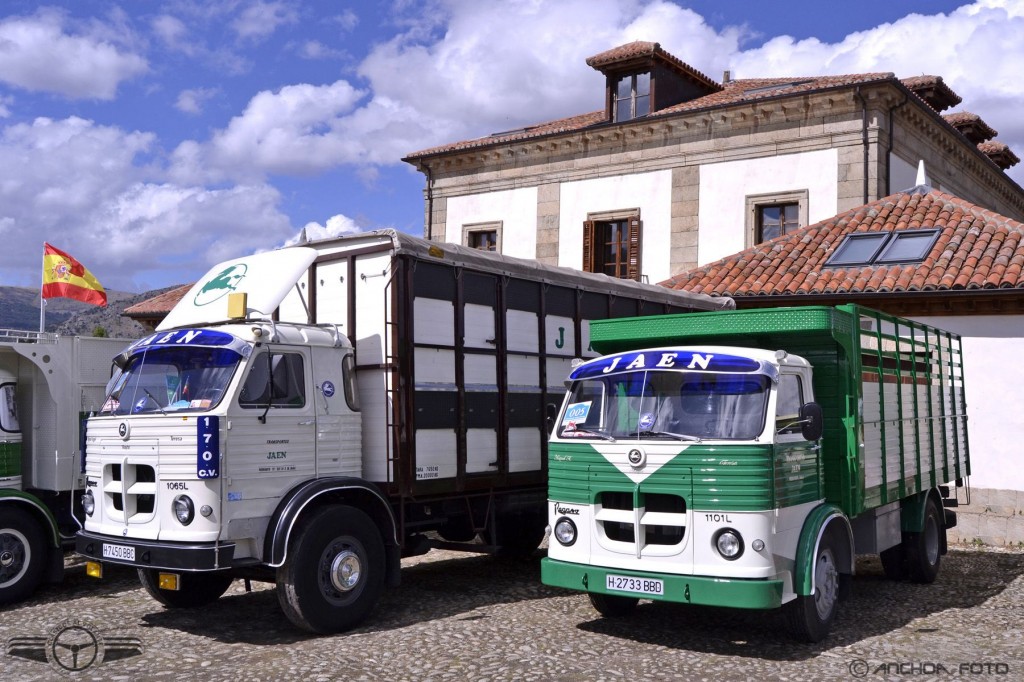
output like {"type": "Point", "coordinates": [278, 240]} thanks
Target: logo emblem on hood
{"type": "Point", "coordinates": [222, 284]}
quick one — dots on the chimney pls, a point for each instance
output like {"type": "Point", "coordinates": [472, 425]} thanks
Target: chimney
{"type": "Point", "coordinates": [726, 77]}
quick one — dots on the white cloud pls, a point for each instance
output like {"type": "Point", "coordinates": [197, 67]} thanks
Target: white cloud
{"type": "Point", "coordinates": [314, 49]}
{"type": "Point", "coordinates": [39, 55]}
{"type": "Point", "coordinates": [336, 226]}
{"type": "Point", "coordinates": [84, 187]}
{"type": "Point", "coordinates": [296, 130]}
{"type": "Point", "coordinates": [172, 33]}
{"type": "Point", "coordinates": [348, 20]}
{"type": "Point", "coordinates": [192, 101]}
{"type": "Point", "coordinates": [260, 19]}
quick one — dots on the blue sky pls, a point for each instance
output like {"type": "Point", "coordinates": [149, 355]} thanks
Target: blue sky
{"type": "Point", "coordinates": [153, 139]}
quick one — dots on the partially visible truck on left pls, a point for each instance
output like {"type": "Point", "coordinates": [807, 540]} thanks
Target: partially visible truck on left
{"type": "Point", "coordinates": [48, 385]}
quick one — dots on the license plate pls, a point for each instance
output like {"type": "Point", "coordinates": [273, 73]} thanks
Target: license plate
{"type": "Point", "coordinates": [122, 552]}
{"type": "Point", "coordinates": [625, 583]}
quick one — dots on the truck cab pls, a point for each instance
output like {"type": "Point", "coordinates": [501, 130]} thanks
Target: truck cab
{"type": "Point", "coordinates": [664, 459]}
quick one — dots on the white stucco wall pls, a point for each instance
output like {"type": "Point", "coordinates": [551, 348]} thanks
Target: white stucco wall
{"type": "Point", "coordinates": [725, 186]}
{"type": "Point", "coordinates": [993, 381]}
{"type": "Point", "coordinates": [515, 208]}
{"type": "Point", "coordinates": [650, 192]}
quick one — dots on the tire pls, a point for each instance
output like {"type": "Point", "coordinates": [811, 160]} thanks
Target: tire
{"type": "Point", "coordinates": [811, 616]}
{"type": "Point", "coordinates": [924, 549]}
{"type": "Point", "coordinates": [196, 589]}
{"type": "Point", "coordinates": [894, 562]}
{"type": "Point", "coordinates": [612, 606]}
{"type": "Point", "coordinates": [23, 554]}
{"type": "Point", "coordinates": [334, 573]}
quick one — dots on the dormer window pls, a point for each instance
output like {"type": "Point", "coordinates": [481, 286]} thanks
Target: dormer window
{"type": "Point", "coordinates": [633, 96]}
{"type": "Point", "coordinates": [642, 79]}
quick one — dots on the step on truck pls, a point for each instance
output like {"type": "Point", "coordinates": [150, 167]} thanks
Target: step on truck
{"type": "Point", "coordinates": [309, 416]}
{"type": "Point", "coordinates": [48, 384]}
{"type": "Point", "coordinates": [744, 458]}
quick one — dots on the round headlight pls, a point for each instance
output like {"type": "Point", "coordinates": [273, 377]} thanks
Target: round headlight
{"type": "Point", "coordinates": [565, 531]}
{"type": "Point", "coordinates": [729, 544]}
{"type": "Point", "coordinates": [184, 509]}
{"type": "Point", "coordinates": [88, 503]}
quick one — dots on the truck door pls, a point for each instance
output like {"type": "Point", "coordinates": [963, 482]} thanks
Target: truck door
{"type": "Point", "coordinates": [338, 427]}
{"type": "Point", "coordinates": [272, 438]}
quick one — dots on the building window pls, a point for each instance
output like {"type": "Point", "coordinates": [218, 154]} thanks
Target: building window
{"type": "Point", "coordinates": [611, 245]}
{"type": "Point", "coordinates": [870, 248]}
{"type": "Point", "coordinates": [632, 96]}
{"type": "Point", "coordinates": [775, 220]}
{"type": "Point", "coordinates": [483, 236]}
{"type": "Point", "coordinates": [773, 215]}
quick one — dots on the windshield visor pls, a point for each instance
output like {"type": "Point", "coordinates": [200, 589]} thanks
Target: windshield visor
{"type": "Point", "coordinates": [667, 405]}
{"type": "Point", "coordinates": [172, 379]}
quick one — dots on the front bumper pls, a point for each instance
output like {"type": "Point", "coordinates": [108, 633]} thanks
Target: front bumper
{"type": "Point", "coordinates": [687, 589]}
{"type": "Point", "coordinates": [178, 556]}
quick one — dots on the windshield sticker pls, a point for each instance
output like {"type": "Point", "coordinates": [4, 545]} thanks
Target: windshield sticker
{"type": "Point", "coordinates": [646, 420]}
{"type": "Point", "coordinates": [577, 412]}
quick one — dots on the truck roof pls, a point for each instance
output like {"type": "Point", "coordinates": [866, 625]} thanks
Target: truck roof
{"type": "Point", "coordinates": [489, 261]}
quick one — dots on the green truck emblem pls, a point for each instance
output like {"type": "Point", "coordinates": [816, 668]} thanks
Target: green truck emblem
{"type": "Point", "coordinates": [223, 283]}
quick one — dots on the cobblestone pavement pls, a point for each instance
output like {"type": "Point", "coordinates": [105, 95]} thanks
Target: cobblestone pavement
{"type": "Point", "coordinates": [470, 617]}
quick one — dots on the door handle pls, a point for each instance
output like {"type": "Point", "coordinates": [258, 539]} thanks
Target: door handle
{"type": "Point", "coordinates": [307, 422]}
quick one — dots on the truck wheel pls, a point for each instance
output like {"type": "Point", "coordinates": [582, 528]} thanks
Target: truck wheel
{"type": "Point", "coordinates": [811, 616]}
{"type": "Point", "coordinates": [196, 589]}
{"type": "Point", "coordinates": [924, 549]}
{"type": "Point", "coordinates": [611, 606]}
{"type": "Point", "coordinates": [334, 573]}
{"type": "Point", "coordinates": [22, 554]}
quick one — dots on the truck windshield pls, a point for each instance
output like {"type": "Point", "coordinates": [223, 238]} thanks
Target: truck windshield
{"type": "Point", "coordinates": [172, 379]}
{"type": "Point", "coordinates": [667, 405]}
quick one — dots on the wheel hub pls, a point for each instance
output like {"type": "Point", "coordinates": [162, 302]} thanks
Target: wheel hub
{"type": "Point", "coordinates": [6, 559]}
{"type": "Point", "coordinates": [345, 571]}
{"type": "Point", "coordinates": [826, 584]}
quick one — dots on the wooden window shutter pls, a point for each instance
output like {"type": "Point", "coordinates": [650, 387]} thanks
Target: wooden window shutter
{"type": "Point", "coordinates": [633, 272]}
{"type": "Point", "coordinates": [588, 246]}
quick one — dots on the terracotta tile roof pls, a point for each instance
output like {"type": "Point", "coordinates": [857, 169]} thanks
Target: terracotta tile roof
{"type": "Point", "coordinates": [1002, 155]}
{"type": "Point", "coordinates": [976, 250]}
{"type": "Point", "coordinates": [970, 126]}
{"type": "Point", "coordinates": [158, 305]}
{"type": "Point", "coordinates": [734, 92]}
{"type": "Point", "coordinates": [933, 90]}
{"type": "Point", "coordinates": [628, 54]}
{"type": "Point", "coordinates": [752, 89]}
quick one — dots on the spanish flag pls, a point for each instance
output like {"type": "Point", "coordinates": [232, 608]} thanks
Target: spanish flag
{"type": "Point", "coordinates": [65, 277]}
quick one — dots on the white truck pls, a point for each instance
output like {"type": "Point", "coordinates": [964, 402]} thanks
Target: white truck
{"type": "Point", "coordinates": [48, 383]}
{"type": "Point", "coordinates": [309, 416]}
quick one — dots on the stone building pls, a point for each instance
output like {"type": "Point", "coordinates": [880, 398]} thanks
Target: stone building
{"type": "Point", "coordinates": [679, 170]}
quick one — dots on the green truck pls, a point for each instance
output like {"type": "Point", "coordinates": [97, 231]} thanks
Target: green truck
{"type": "Point", "coordinates": [48, 384]}
{"type": "Point", "coordinates": [744, 458]}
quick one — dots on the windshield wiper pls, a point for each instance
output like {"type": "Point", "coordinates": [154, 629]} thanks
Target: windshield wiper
{"type": "Point", "coordinates": [589, 432]}
{"type": "Point", "coordinates": [677, 436]}
{"type": "Point", "coordinates": [157, 402]}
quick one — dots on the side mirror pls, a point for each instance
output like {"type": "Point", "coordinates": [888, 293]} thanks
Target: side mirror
{"type": "Point", "coordinates": [550, 414]}
{"type": "Point", "coordinates": [812, 420]}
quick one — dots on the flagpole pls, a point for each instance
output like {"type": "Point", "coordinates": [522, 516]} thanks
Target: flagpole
{"type": "Point", "coordinates": [42, 301]}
